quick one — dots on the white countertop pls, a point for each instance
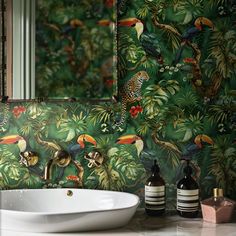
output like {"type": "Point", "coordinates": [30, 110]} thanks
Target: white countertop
{"type": "Point", "coordinates": [143, 225]}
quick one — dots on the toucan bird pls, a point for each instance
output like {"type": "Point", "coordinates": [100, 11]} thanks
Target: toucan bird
{"type": "Point", "coordinates": [27, 158]}
{"type": "Point", "coordinates": [75, 148]}
{"type": "Point", "coordinates": [107, 23]}
{"type": "Point", "coordinates": [86, 138]}
{"type": "Point", "coordinates": [72, 24]}
{"type": "Point", "coordinates": [192, 32]}
{"type": "Point", "coordinates": [14, 139]}
{"type": "Point", "coordinates": [188, 153]}
{"type": "Point", "coordinates": [149, 41]}
{"type": "Point", "coordinates": [132, 139]}
{"type": "Point", "coordinates": [199, 23]}
{"type": "Point", "coordinates": [193, 148]}
{"type": "Point", "coordinates": [202, 138]}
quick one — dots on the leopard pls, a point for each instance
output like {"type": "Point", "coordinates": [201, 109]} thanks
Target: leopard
{"type": "Point", "coordinates": [131, 92]}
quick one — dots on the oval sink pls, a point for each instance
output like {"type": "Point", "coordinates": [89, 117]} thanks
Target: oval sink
{"type": "Point", "coordinates": [65, 210]}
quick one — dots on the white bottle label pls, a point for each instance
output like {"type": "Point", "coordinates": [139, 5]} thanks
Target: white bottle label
{"type": "Point", "coordinates": [155, 197]}
{"type": "Point", "coordinates": [187, 200]}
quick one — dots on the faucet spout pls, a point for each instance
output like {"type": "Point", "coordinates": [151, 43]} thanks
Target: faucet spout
{"type": "Point", "coordinates": [61, 159]}
{"type": "Point", "coordinates": [48, 170]}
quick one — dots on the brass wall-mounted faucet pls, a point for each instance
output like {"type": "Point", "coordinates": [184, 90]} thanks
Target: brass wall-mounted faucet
{"type": "Point", "coordinates": [61, 158]}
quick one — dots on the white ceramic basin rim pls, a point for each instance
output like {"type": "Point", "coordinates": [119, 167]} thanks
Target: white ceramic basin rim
{"type": "Point", "coordinates": [52, 210]}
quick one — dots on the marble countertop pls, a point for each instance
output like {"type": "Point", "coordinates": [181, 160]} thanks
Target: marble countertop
{"type": "Point", "coordinates": [143, 225]}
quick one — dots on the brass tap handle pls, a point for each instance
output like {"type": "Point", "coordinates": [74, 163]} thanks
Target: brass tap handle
{"type": "Point", "coordinates": [62, 158]}
{"type": "Point", "coordinates": [29, 158]}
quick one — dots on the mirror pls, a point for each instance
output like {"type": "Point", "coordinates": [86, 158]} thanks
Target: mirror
{"type": "Point", "coordinates": [61, 49]}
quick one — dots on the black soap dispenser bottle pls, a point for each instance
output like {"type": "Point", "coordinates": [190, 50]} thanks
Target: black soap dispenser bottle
{"type": "Point", "coordinates": [155, 193]}
{"type": "Point", "coordinates": [187, 194]}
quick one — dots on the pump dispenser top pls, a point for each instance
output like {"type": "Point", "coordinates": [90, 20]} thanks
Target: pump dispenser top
{"type": "Point", "coordinates": [155, 168]}
{"type": "Point", "coordinates": [188, 169]}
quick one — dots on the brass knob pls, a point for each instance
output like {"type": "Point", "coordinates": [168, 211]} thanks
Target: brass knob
{"type": "Point", "coordinates": [29, 158]}
{"type": "Point", "coordinates": [95, 158]}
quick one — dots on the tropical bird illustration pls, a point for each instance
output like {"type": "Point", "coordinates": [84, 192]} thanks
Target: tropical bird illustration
{"type": "Point", "coordinates": [28, 158]}
{"type": "Point", "coordinates": [15, 139]}
{"type": "Point", "coordinates": [188, 153]}
{"type": "Point", "coordinates": [132, 139]}
{"type": "Point", "coordinates": [74, 149]}
{"type": "Point", "coordinates": [149, 41]}
{"type": "Point", "coordinates": [85, 138]}
{"type": "Point", "coordinates": [106, 22]}
{"type": "Point", "coordinates": [71, 25]}
{"type": "Point", "coordinates": [193, 148]}
{"type": "Point", "coordinates": [192, 32]}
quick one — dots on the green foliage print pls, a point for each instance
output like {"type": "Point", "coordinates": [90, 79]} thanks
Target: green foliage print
{"type": "Point", "coordinates": [74, 48]}
{"type": "Point", "coordinates": [186, 109]}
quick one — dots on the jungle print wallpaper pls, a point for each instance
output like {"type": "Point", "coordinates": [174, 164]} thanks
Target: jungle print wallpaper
{"type": "Point", "coordinates": [176, 101]}
{"type": "Point", "coordinates": [75, 42]}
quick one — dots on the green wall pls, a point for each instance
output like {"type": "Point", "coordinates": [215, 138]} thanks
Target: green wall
{"type": "Point", "coordinates": [187, 108]}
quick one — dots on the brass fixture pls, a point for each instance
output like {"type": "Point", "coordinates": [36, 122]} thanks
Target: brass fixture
{"type": "Point", "coordinates": [69, 193]}
{"type": "Point", "coordinates": [61, 158]}
{"type": "Point", "coordinates": [29, 158]}
{"type": "Point", "coordinates": [95, 158]}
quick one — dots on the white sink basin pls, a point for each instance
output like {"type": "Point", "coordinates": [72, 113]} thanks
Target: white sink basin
{"type": "Point", "coordinates": [65, 210]}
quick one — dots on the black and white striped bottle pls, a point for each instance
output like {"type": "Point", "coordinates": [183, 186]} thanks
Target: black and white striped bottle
{"type": "Point", "coordinates": [155, 192]}
{"type": "Point", "coordinates": [187, 195]}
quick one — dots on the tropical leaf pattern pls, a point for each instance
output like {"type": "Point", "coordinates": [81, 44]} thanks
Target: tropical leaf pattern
{"type": "Point", "coordinates": [187, 108]}
{"type": "Point", "coordinates": [74, 48]}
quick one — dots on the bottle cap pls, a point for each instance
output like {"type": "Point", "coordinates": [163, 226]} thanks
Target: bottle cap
{"type": "Point", "coordinates": [220, 192]}
{"type": "Point", "coordinates": [188, 169]}
{"type": "Point", "coordinates": [155, 167]}
{"type": "Point", "coordinates": [215, 192]}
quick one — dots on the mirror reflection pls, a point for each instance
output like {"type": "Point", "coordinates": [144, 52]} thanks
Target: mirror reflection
{"type": "Point", "coordinates": [72, 47]}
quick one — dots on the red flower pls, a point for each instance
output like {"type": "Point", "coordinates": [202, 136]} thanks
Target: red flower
{"type": "Point", "coordinates": [135, 110]}
{"type": "Point", "coordinates": [139, 108]}
{"type": "Point", "coordinates": [109, 82]}
{"type": "Point", "coordinates": [109, 3]}
{"type": "Point", "coordinates": [73, 178]}
{"type": "Point", "coordinates": [18, 110]}
{"type": "Point", "coordinates": [189, 60]}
